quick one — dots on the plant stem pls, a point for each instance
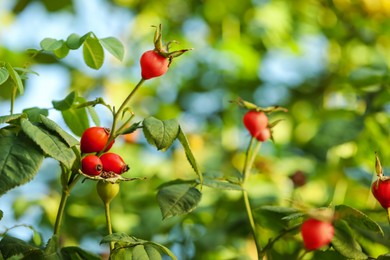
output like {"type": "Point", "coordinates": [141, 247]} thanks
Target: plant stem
{"type": "Point", "coordinates": [64, 197]}
{"type": "Point", "coordinates": [252, 222]}
{"type": "Point", "coordinates": [109, 226]}
{"type": "Point", "coordinates": [118, 113]}
{"type": "Point", "coordinates": [388, 214]}
{"type": "Point", "coordinates": [250, 156]}
{"type": "Point", "coordinates": [60, 213]}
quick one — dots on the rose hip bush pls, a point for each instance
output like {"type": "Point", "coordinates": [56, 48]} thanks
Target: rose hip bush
{"type": "Point", "coordinates": [86, 158]}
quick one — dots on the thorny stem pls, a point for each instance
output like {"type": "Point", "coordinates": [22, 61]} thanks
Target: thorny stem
{"type": "Point", "coordinates": [250, 156]}
{"type": "Point", "coordinates": [109, 226]}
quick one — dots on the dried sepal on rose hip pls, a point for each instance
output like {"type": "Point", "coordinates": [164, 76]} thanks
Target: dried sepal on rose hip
{"type": "Point", "coordinates": [94, 140]}
{"type": "Point", "coordinates": [155, 63]}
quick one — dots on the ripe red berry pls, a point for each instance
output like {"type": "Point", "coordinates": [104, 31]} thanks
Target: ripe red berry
{"type": "Point", "coordinates": [316, 233]}
{"type": "Point", "coordinates": [381, 191]}
{"type": "Point", "coordinates": [263, 135]}
{"type": "Point", "coordinates": [255, 122]}
{"type": "Point", "coordinates": [153, 64]}
{"type": "Point", "coordinates": [91, 165]}
{"type": "Point", "coordinates": [94, 139]}
{"type": "Point", "coordinates": [113, 162]}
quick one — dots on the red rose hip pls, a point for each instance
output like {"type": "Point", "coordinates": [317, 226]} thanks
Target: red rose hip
{"type": "Point", "coordinates": [91, 165]}
{"type": "Point", "coordinates": [113, 162]}
{"type": "Point", "coordinates": [153, 64]}
{"type": "Point", "coordinates": [94, 140]}
{"type": "Point", "coordinates": [255, 122]}
{"type": "Point", "coordinates": [381, 191]}
{"type": "Point", "coordinates": [316, 233]}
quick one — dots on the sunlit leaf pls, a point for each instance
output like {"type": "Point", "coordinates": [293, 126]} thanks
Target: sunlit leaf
{"type": "Point", "coordinates": [93, 53]}
{"type": "Point", "coordinates": [74, 41]}
{"type": "Point", "coordinates": [15, 77]}
{"type": "Point", "coordinates": [76, 119]}
{"type": "Point", "coordinates": [50, 44]}
{"type": "Point", "coordinates": [62, 52]}
{"type": "Point", "coordinates": [9, 118]}
{"type": "Point", "coordinates": [51, 125]}
{"type": "Point", "coordinates": [113, 46]}
{"type": "Point", "coordinates": [50, 144]}
{"type": "Point", "coordinates": [3, 75]}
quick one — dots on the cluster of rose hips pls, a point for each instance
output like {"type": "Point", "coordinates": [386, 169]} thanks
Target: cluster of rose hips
{"type": "Point", "coordinates": [93, 141]}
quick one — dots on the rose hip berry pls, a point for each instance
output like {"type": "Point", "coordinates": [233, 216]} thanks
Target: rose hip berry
{"type": "Point", "coordinates": [153, 64]}
{"type": "Point", "coordinates": [94, 139]}
{"type": "Point", "coordinates": [381, 191]}
{"type": "Point", "coordinates": [263, 135]}
{"type": "Point", "coordinates": [255, 122]}
{"type": "Point", "coordinates": [91, 165]}
{"type": "Point", "coordinates": [113, 162]}
{"type": "Point", "coordinates": [316, 233]}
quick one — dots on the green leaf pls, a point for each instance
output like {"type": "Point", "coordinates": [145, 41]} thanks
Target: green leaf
{"type": "Point", "coordinates": [15, 77]}
{"type": "Point", "coordinates": [121, 238]}
{"type": "Point", "coordinates": [113, 46]}
{"type": "Point", "coordinates": [1, 214]}
{"type": "Point", "coordinates": [50, 44]}
{"type": "Point", "coordinates": [50, 144]}
{"type": "Point", "coordinates": [384, 257]}
{"type": "Point", "coordinates": [52, 248]}
{"type": "Point", "coordinates": [190, 157]}
{"type": "Point", "coordinates": [178, 199]}
{"type": "Point", "coordinates": [74, 252]}
{"type": "Point", "coordinates": [62, 52]}
{"type": "Point", "coordinates": [34, 113]}
{"type": "Point", "coordinates": [141, 252]}
{"type": "Point", "coordinates": [366, 76]}
{"type": "Point", "coordinates": [163, 249]}
{"type": "Point", "coordinates": [66, 103]}
{"type": "Point", "coordinates": [344, 242]}
{"type": "Point", "coordinates": [9, 118]}
{"type": "Point", "coordinates": [93, 53]}
{"type": "Point", "coordinates": [221, 184]}
{"type": "Point", "coordinates": [3, 75]}
{"type": "Point", "coordinates": [357, 218]}
{"type": "Point", "coordinates": [53, 126]}
{"type": "Point", "coordinates": [76, 120]}
{"type": "Point", "coordinates": [20, 159]}
{"type": "Point", "coordinates": [11, 247]}
{"type": "Point", "coordinates": [160, 133]}
{"type": "Point", "coordinates": [74, 41]}
{"type": "Point", "coordinates": [94, 115]}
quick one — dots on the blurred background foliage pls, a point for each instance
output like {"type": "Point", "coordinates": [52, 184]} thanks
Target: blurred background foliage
{"type": "Point", "coordinates": [326, 61]}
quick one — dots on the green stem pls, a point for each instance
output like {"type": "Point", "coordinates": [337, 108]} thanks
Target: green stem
{"type": "Point", "coordinates": [64, 197]}
{"type": "Point", "coordinates": [250, 156]}
{"type": "Point", "coordinates": [251, 222]}
{"type": "Point", "coordinates": [109, 225]}
{"type": "Point", "coordinates": [124, 104]}
{"type": "Point", "coordinates": [60, 213]}
{"type": "Point", "coordinates": [13, 97]}
{"type": "Point", "coordinates": [388, 214]}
